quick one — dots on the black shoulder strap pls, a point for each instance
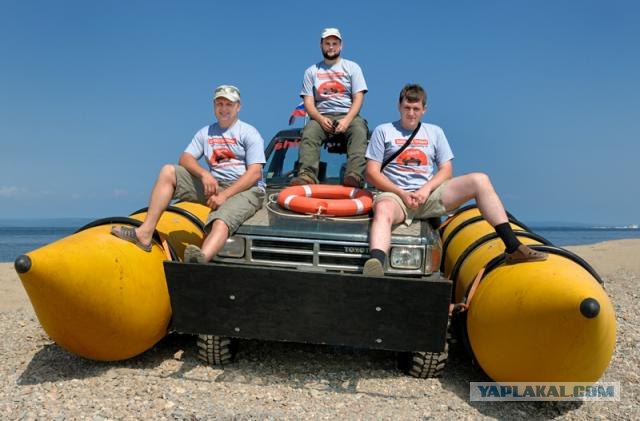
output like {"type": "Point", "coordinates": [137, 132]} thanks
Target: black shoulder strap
{"type": "Point", "coordinates": [399, 151]}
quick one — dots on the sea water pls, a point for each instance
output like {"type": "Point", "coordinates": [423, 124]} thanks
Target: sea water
{"type": "Point", "coordinates": [572, 236]}
{"type": "Point", "coordinates": [15, 241]}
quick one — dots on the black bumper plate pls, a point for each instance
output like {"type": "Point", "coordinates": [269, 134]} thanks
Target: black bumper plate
{"type": "Point", "coordinates": [400, 314]}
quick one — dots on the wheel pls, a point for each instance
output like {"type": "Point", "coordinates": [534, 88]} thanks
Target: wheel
{"type": "Point", "coordinates": [425, 365]}
{"type": "Point", "coordinates": [216, 350]}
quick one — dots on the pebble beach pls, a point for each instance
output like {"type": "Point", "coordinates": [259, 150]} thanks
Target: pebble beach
{"type": "Point", "coordinates": [271, 380]}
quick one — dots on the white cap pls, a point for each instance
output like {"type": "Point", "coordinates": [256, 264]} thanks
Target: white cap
{"type": "Point", "coordinates": [227, 91]}
{"type": "Point", "coordinates": [331, 32]}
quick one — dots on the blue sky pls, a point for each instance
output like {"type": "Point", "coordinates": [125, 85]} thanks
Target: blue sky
{"type": "Point", "coordinates": [543, 96]}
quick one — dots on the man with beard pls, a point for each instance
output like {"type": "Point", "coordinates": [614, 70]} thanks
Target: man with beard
{"type": "Point", "coordinates": [426, 188]}
{"type": "Point", "coordinates": [333, 93]}
{"type": "Point", "coordinates": [232, 185]}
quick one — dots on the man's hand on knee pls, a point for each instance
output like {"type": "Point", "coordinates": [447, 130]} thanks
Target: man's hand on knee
{"type": "Point", "coordinates": [209, 183]}
{"type": "Point", "coordinates": [216, 200]}
{"type": "Point", "coordinates": [421, 195]}
{"type": "Point", "coordinates": [410, 199]}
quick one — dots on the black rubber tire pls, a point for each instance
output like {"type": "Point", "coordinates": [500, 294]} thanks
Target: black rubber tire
{"type": "Point", "coordinates": [216, 350]}
{"type": "Point", "coordinates": [426, 365]}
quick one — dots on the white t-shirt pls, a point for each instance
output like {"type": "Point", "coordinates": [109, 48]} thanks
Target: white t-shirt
{"type": "Point", "coordinates": [417, 163]}
{"type": "Point", "coordinates": [229, 151]}
{"type": "Point", "coordinates": [333, 86]}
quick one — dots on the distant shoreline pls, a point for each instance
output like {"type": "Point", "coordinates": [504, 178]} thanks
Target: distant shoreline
{"type": "Point", "coordinates": [44, 222]}
{"type": "Point", "coordinates": [70, 222]}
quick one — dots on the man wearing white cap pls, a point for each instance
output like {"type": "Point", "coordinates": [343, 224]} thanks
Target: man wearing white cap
{"type": "Point", "coordinates": [333, 93]}
{"type": "Point", "coordinates": [232, 185]}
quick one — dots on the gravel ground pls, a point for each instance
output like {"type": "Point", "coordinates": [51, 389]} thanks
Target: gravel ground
{"type": "Point", "coordinates": [280, 380]}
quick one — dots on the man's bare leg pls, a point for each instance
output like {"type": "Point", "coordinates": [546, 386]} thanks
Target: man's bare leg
{"type": "Point", "coordinates": [215, 240]}
{"type": "Point", "coordinates": [475, 186]}
{"type": "Point", "coordinates": [386, 213]}
{"type": "Point", "coordinates": [161, 196]}
{"type": "Point", "coordinates": [478, 186]}
{"type": "Point", "coordinates": [212, 244]}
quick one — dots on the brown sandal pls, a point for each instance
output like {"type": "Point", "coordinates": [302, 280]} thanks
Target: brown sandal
{"type": "Point", "coordinates": [129, 234]}
{"type": "Point", "coordinates": [525, 254]}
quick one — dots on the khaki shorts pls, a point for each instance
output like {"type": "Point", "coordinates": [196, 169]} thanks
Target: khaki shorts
{"type": "Point", "coordinates": [233, 212]}
{"type": "Point", "coordinates": [431, 208]}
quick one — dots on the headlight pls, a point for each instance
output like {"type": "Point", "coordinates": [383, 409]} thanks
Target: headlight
{"type": "Point", "coordinates": [406, 258]}
{"type": "Point", "coordinates": [234, 247]}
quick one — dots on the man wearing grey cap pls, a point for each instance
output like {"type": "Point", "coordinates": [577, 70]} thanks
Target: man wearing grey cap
{"type": "Point", "coordinates": [333, 93]}
{"type": "Point", "coordinates": [232, 185]}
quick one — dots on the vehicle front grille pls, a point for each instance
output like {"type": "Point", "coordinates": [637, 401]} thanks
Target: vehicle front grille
{"type": "Point", "coordinates": [279, 244]}
{"type": "Point", "coordinates": [328, 255]}
{"type": "Point", "coordinates": [275, 256]}
{"type": "Point", "coordinates": [280, 252]}
{"type": "Point", "coordinates": [307, 254]}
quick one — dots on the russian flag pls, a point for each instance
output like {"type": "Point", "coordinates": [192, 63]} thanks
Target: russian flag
{"type": "Point", "coordinates": [299, 111]}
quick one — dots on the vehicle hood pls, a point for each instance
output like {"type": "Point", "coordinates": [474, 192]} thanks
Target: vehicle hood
{"type": "Point", "coordinates": [273, 221]}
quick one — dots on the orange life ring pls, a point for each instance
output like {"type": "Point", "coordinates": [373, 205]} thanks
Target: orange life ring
{"type": "Point", "coordinates": [326, 199]}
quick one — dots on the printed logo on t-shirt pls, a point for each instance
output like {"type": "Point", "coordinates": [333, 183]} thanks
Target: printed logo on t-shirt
{"type": "Point", "coordinates": [221, 155]}
{"type": "Point", "coordinates": [415, 142]}
{"type": "Point", "coordinates": [330, 75]}
{"type": "Point", "coordinates": [219, 140]}
{"type": "Point", "coordinates": [411, 159]}
{"type": "Point", "coordinates": [331, 88]}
